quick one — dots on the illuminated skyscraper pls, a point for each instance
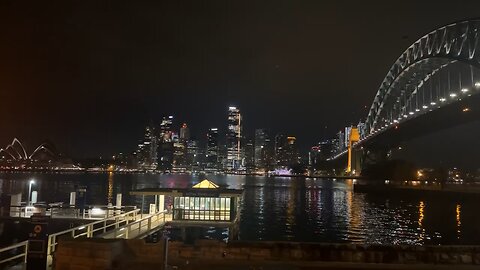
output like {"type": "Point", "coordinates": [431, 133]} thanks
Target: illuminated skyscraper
{"type": "Point", "coordinates": [147, 150]}
{"type": "Point", "coordinates": [166, 129]}
{"type": "Point", "coordinates": [233, 139]}
{"type": "Point", "coordinates": [212, 149]}
{"type": "Point", "coordinates": [166, 147]}
{"type": "Point", "coordinates": [347, 136]}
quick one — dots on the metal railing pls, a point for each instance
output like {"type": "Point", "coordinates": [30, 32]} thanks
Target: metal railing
{"type": "Point", "coordinates": [139, 227]}
{"type": "Point", "coordinates": [90, 229]}
{"type": "Point", "coordinates": [60, 211]}
{"type": "Point", "coordinates": [6, 257]}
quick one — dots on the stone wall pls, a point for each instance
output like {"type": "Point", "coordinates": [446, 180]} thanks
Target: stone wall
{"type": "Point", "coordinates": [102, 254]}
{"type": "Point", "coordinates": [86, 254]}
{"type": "Point", "coordinates": [289, 251]}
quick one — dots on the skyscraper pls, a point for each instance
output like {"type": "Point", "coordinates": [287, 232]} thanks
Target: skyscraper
{"type": "Point", "coordinates": [286, 150]}
{"type": "Point", "coordinates": [347, 136]}
{"type": "Point", "coordinates": [166, 129]}
{"type": "Point", "coordinates": [179, 153]}
{"type": "Point", "coordinates": [249, 160]}
{"type": "Point", "coordinates": [147, 150]}
{"type": "Point", "coordinates": [212, 149]}
{"type": "Point", "coordinates": [340, 142]}
{"type": "Point", "coordinates": [233, 139]}
{"type": "Point", "coordinates": [184, 133]}
{"type": "Point", "coordinates": [293, 156]}
{"type": "Point", "coordinates": [263, 149]}
{"type": "Point", "coordinates": [166, 147]}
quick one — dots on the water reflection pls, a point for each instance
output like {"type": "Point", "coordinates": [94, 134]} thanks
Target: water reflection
{"type": "Point", "coordinates": [421, 215]}
{"type": "Point", "coordinates": [296, 209]}
{"type": "Point", "coordinates": [110, 188]}
{"type": "Point", "coordinates": [458, 210]}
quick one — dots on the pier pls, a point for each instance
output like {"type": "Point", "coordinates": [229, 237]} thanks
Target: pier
{"type": "Point", "coordinates": [128, 225]}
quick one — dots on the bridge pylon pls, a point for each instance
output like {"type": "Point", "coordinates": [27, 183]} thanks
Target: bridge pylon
{"type": "Point", "coordinates": [354, 163]}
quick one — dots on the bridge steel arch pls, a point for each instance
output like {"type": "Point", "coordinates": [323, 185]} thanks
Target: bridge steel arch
{"type": "Point", "coordinates": [443, 66]}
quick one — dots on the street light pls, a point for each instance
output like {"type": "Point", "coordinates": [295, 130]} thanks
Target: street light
{"type": "Point", "coordinates": [30, 189]}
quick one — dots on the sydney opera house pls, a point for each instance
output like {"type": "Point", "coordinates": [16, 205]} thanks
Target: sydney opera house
{"type": "Point", "coordinates": [43, 157]}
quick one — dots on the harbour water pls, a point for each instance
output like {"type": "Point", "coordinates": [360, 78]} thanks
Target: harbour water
{"type": "Point", "coordinates": [286, 209]}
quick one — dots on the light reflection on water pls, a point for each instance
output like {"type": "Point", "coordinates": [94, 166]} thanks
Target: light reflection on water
{"type": "Point", "coordinates": [290, 209]}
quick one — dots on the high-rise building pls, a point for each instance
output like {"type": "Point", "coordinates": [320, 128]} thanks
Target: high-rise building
{"type": "Point", "coordinates": [281, 158]}
{"type": "Point", "coordinates": [347, 136]}
{"type": "Point", "coordinates": [179, 154]}
{"type": "Point", "coordinates": [361, 129]}
{"type": "Point", "coordinates": [195, 156]}
{"type": "Point", "coordinates": [166, 128]}
{"type": "Point", "coordinates": [263, 149]}
{"type": "Point", "coordinates": [184, 133]}
{"type": "Point", "coordinates": [321, 152]}
{"type": "Point", "coordinates": [166, 147]}
{"type": "Point", "coordinates": [249, 159]}
{"type": "Point", "coordinates": [146, 153]}
{"type": "Point", "coordinates": [286, 150]}
{"type": "Point", "coordinates": [340, 142]}
{"type": "Point", "coordinates": [212, 155]}
{"type": "Point", "coordinates": [233, 139]}
{"type": "Point", "coordinates": [293, 155]}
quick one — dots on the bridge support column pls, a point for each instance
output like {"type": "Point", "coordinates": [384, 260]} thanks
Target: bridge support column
{"type": "Point", "coordinates": [354, 159]}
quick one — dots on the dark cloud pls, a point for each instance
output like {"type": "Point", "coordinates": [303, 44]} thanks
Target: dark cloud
{"type": "Point", "coordinates": [90, 75]}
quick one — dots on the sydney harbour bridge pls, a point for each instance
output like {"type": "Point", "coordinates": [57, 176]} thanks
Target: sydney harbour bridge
{"type": "Point", "coordinates": [433, 85]}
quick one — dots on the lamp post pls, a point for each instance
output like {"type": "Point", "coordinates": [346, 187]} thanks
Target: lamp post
{"type": "Point", "coordinates": [30, 190]}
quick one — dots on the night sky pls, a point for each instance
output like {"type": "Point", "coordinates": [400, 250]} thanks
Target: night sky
{"type": "Point", "coordinates": [89, 75]}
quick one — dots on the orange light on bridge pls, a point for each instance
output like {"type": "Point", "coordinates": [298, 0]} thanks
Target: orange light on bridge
{"type": "Point", "coordinates": [466, 110]}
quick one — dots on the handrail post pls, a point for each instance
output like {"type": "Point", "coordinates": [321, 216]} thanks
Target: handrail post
{"type": "Point", "coordinates": [149, 223]}
{"type": "Point", "coordinates": [89, 231]}
{"type": "Point", "coordinates": [105, 226]}
{"type": "Point", "coordinates": [26, 252]}
{"type": "Point", "coordinates": [116, 222]}
{"type": "Point", "coordinates": [53, 246]}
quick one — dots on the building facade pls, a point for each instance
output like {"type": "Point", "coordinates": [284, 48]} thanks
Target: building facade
{"type": "Point", "coordinates": [212, 150]}
{"type": "Point", "coordinates": [233, 139]}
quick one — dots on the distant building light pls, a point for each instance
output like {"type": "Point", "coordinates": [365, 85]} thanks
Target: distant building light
{"type": "Point", "coordinates": [477, 84]}
{"type": "Point", "coordinates": [464, 90]}
{"type": "Point", "coordinates": [433, 103]}
{"type": "Point", "coordinates": [424, 106]}
{"type": "Point", "coordinates": [453, 95]}
{"type": "Point", "coordinates": [417, 110]}
{"type": "Point", "coordinates": [466, 109]}
{"type": "Point", "coordinates": [443, 99]}
{"type": "Point", "coordinates": [411, 113]}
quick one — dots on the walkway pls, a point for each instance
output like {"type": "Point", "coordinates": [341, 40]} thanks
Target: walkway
{"type": "Point", "coordinates": [127, 225]}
